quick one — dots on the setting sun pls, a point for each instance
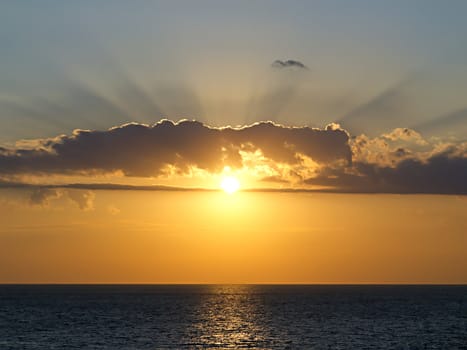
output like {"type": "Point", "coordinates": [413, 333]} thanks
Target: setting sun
{"type": "Point", "coordinates": [233, 174]}
{"type": "Point", "coordinates": [230, 184]}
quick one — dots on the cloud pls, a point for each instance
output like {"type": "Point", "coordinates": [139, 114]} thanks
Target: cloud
{"type": "Point", "coordinates": [84, 199]}
{"type": "Point", "coordinates": [43, 196]}
{"type": "Point", "coordinates": [99, 187]}
{"type": "Point", "coordinates": [441, 174]}
{"type": "Point", "coordinates": [278, 64]}
{"type": "Point", "coordinates": [113, 210]}
{"type": "Point", "coordinates": [295, 158]}
{"type": "Point", "coordinates": [405, 134]}
{"type": "Point", "coordinates": [378, 167]}
{"type": "Point", "coordinates": [167, 147]}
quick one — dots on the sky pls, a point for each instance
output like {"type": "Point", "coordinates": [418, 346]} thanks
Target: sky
{"type": "Point", "coordinates": [344, 126]}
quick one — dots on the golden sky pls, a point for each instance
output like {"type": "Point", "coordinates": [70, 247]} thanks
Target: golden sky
{"type": "Point", "coordinates": [198, 237]}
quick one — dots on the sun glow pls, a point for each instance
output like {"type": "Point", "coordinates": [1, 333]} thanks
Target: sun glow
{"type": "Point", "coordinates": [230, 184]}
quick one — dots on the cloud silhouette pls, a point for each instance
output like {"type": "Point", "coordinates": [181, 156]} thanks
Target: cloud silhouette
{"type": "Point", "coordinates": [400, 161]}
{"type": "Point", "coordinates": [167, 147]}
{"type": "Point", "coordinates": [278, 64]}
{"type": "Point", "coordinates": [386, 164]}
{"type": "Point", "coordinates": [440, 174]}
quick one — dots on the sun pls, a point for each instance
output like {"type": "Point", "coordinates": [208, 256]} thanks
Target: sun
{"type": "Point", "coordinates": [230, 184]}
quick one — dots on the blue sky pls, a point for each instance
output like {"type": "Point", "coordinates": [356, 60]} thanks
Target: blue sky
{"type": "Point", "coordinates": [374, 65]}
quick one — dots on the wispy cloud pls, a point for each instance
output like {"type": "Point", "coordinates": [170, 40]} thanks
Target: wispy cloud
{"type": "Point", "coordinates": [43, 195]}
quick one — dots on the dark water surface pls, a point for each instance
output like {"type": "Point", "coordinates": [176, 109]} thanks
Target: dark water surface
{"type": "Point", "coordinates": [237, 317]}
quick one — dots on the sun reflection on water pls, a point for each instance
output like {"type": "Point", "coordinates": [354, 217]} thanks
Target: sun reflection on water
{"type": "Point", "coordinates": [227, 318]}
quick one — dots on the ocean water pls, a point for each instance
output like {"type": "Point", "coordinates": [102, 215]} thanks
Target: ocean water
{"type": "Point", "coordinates": [233, 317]}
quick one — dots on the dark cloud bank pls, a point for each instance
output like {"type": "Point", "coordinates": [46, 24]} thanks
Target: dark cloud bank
{"type": "Point", "coordinates": [441, 174]}
{"type": "Point", "coordinates": [166, 148]}
{"type": "Point", "coordinates": [142, 150]}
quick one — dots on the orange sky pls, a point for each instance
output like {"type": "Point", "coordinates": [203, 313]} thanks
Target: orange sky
{"type": "Point", "coordinates": [194, 237]}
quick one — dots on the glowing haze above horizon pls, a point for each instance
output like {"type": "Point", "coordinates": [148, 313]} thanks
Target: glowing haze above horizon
{"type": "Point", "coordinates": [233, 142]}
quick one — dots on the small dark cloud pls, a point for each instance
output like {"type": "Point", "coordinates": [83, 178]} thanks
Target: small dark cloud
{"type": "Point", "coordinates": [401, 152]}
{"type": "Point", "coordinates": [278, 64]}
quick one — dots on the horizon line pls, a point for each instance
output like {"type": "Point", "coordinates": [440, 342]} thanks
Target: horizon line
{"type": "Point", "coordinates": [168, 188]}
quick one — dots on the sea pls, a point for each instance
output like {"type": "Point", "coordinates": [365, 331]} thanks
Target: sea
{"type": "Point", "coordinates": [233, 317]}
